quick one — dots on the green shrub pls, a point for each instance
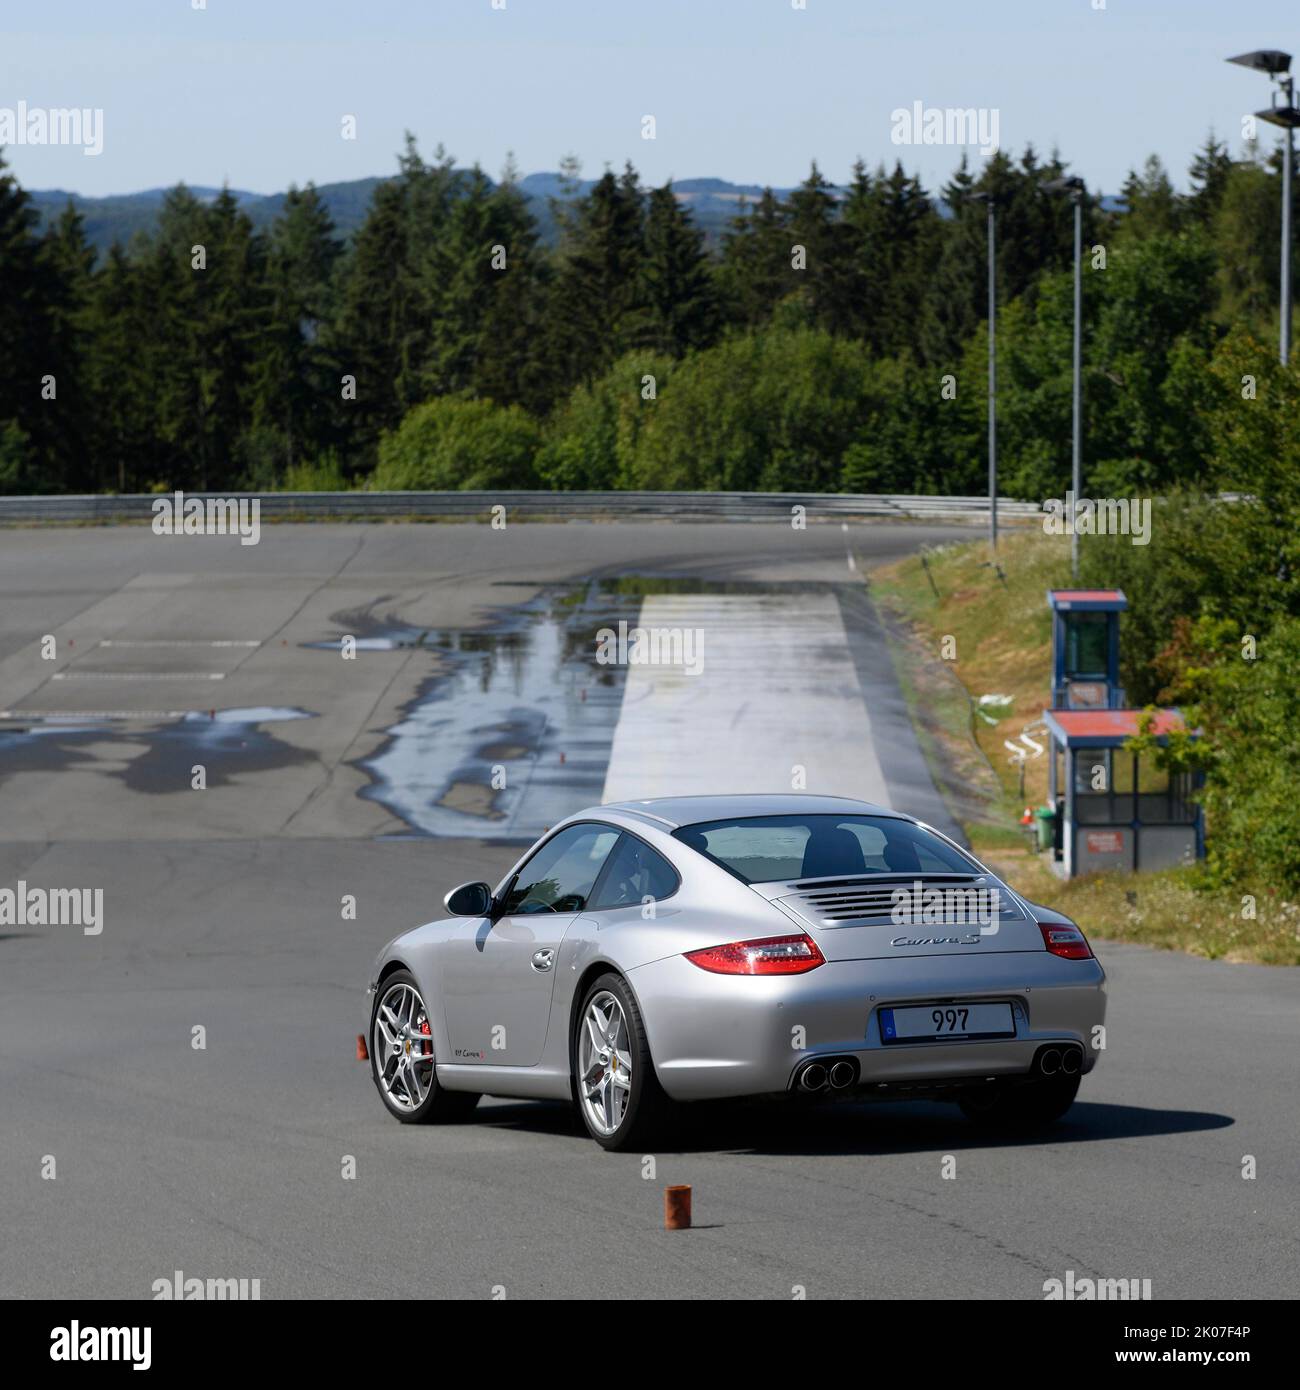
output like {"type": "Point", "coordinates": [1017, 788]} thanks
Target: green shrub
{"type": "Point", "coordinates": [17, 472]}
{"type": "Point", "coordinates": [452, 444]}
{"type": "Point", "coordinates": [593, 438]}
{"type": "Point", "coordinates": [774, 411]}
{"type": "Point", "coordinates": [324, 474]}
{"type": "Point", "coordinates": [1245, 698]}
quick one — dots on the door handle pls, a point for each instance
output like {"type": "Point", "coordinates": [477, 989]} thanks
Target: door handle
{"type": "Point", "coordinates": [543, 959]}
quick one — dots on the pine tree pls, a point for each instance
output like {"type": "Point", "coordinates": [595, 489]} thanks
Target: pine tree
{"type": "Point", "coordinates": [462, 271]}
{"type": "Point", "coordinates": [368, 340]}
{"type": "Point", "coordinates": [1154, 207]}
{"type": "Point", "coordinates": [431, 192]}
{"type": "Point", "coordinates": [828, 284]}
{"type": "Point", "coordinates": [510, 363]}
{"type": "Point", "coordinates": [956, 297]}
{"type": "Point", "coordinates": [755, 274]}
{"type": "Point", "coordinates": [207, 271]}
{"type": "Point", "coordinates": [68, 262]}
{"type": "Point", "coordinates": [34, 440]}
{"type": "Point", "coordinates": [596, 309]}
{"type": "Point", "coordinates": [677, 280]}
{"type": "Point", "coordinates": [1209, 173]}
{"type": "Point", "coordinates": [120, 375]}
{"type": "Point", "coordinates": [901, 232]}
{"type": "Point", "coordinates": [293, 392]}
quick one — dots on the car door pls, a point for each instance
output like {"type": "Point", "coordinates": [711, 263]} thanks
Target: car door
{"type": "Point", "coordinates": [499, 973]}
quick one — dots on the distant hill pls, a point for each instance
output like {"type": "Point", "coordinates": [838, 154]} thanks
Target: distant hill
{"type": "Point", "coordinates": [120, 216]}
{"type": "Point", "coordinates": [713, 203]}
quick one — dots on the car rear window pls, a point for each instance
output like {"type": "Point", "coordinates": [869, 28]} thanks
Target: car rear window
{"type": "Point", "coordinates": [766, 849]}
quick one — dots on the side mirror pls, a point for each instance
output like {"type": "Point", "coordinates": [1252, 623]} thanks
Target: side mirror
{"type": "Point", "coordinates": [469, 900]}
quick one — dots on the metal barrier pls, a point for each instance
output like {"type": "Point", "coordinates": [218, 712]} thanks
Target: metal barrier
{"type": "Point", "coordinates": [685, 506]}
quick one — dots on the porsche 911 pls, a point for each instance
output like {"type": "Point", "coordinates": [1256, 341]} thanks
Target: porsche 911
{"type": "Point", "coordinates": [650, 954]}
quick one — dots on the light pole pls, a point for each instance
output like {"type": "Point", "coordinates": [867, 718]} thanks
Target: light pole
{"type": "Point", "coordinates": [1075, 188]}
{"type": "Point", "coordinates": [991, 202]}
{"type": "Point", "coordinates": [1278, 66]}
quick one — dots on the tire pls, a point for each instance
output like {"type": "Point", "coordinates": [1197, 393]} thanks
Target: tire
{"type": "Point", "coordinates": [1022, 1108]}
{"type": "Point", "coordinates": [618, 1115]}
{"type": "Point", "coordinates": [409, 1089]}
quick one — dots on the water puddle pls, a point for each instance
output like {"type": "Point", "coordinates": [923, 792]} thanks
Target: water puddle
{"type": "Point", "coordinates": [515, 732]}
{"type": "Point", "coordinates": [156, 756]}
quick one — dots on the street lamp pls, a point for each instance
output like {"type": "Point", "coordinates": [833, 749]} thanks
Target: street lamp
{"type": "Point", "coordinates": [1278, 66]}
{"type": "Point", "coordinates": [1075, 188]}
{"type": "Point", "coordinates": [991, 202]}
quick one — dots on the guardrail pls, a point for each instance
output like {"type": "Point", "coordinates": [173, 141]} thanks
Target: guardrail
{"type": "Point", "coordinates": [684, 506]}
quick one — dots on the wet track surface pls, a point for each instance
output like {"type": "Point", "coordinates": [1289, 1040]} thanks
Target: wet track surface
{"type": "Point", "coordinates": [515, 732]}
{"type": "Point", "coordinates": [223, 913]}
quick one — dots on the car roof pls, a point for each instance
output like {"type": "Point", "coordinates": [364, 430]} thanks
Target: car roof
{"type": "Point", "coordinates": [676, 811]}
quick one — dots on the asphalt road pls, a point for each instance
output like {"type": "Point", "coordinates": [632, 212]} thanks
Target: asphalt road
{"type": "Point", "coordinates": [222, 913]}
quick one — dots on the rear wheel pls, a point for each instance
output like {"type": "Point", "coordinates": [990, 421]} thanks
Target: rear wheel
{"type": "Point", "coordinates": [402, 1060]}
{"type": "Point", "coordinates": [619, 1096]}
{"type": "Point", "coordinates": [1028, 1106]}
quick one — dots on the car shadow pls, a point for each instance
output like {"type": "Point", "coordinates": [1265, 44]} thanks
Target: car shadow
{"type": "Point", "coordinates": [857, 1127]}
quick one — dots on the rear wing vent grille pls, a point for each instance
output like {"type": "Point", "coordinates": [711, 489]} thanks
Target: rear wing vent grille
{"type": "Point", "coordinates": [916, 901]}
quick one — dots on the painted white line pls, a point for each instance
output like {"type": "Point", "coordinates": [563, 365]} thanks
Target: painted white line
{"type": "Point", "coordinates": [73, 714]}
{"type": "Point", "coordinates": [138, 676]}
{"type": "Point", "coordinates": [172, 642]}
{"type": "Point", "coordinates": [778, 691]}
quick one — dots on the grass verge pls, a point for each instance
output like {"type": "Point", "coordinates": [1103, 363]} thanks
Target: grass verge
{"type": "Point", "coordinates": [962, 629]}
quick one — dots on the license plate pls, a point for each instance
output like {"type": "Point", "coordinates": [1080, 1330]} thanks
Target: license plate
{"type": "Point", "coordinates": [936, 1022]}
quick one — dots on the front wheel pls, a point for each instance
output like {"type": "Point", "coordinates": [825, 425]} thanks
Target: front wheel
{"type": "Point", "coordinates": [619, 1096]}
{"type": "Point", "coordinates": [1029, 1106]}
{"type": "Point", "coordinates": [402, 1060]}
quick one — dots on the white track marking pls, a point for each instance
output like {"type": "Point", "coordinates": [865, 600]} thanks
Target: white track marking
{"type": "Point", "coordinates": [138, 676]}
{"type": "Point", "coordinates": [56, 715]}
{"type": "Point", "coordinates": [778, 690]}
{"type": "Point", "coordinates": [172, 642]}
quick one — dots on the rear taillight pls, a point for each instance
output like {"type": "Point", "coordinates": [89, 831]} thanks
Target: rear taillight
{"type": "Point", "coordinates": [1061, 939]}
{"type": "Point", "coordinates": [773, 955]}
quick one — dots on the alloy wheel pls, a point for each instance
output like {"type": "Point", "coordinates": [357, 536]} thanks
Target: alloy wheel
{"type": "Point", "coordinates": [604, 1063]}
{"type": "Point", "coordinates": [402, 1047]}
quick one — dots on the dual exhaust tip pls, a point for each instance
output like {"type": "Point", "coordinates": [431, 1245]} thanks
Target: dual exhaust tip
{"type": "Point", "coordinates": [836, 1074]}
{"type": "Point", "coordinates": [1059, 1061]}
{"type": "Point", "coordinates": [841, 1073]}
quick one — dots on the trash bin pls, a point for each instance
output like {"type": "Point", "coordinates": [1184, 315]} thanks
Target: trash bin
{"type": "Point", "coordinates": [1045, 824]}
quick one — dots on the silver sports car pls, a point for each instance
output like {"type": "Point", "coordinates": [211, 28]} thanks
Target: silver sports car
{"type": "Point", "coordinates": [695, 948]}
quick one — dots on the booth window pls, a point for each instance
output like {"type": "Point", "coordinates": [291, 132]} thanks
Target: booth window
{"type": "Point", "coordinates": [1087, 645]}
{"type": "Point", "coordinates": [1132, 788]}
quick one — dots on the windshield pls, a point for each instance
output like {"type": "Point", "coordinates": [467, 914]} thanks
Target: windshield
{"type": "Point", "coordinates": [764, 849]}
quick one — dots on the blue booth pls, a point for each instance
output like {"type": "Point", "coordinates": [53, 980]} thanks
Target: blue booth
{"type": "Point", "coordinates": [1113, 810]}
{"type": "Point", "coordinates": [1085, 648]}
{"type": "Point", "coordinates": [1117, 810]}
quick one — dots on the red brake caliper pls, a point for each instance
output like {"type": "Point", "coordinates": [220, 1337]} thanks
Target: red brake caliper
{"type": "Point", "coordinates": [426, 1031]}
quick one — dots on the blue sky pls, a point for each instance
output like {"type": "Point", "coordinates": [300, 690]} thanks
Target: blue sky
{"type": "Point", "coordinates": [254, 91]}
